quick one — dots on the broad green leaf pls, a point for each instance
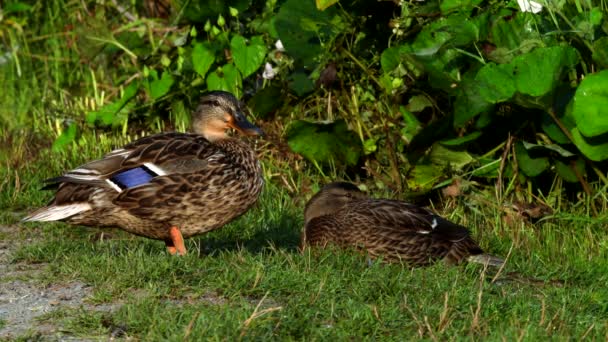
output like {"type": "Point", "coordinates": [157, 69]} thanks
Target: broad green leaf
{"type": "Point", "coordinates": [461, 140]}
{"type": "Point", "coordinates": [324, 143]}
{"type": "Point", "coordinates": [511, 30]}
{"type": "Point", "coordinates": [226, 78]}
{"type": "Point", "coordinates": [595, 148]}
{"type": "Point", "coordinates": [267, 100]}
{"type": "Point", "coordinates": [418, 103]}
{"type": "Point", "coordinates": [324, 4]}
{"type": "Point", "coordinates": [66, 137]}
{"type": "Point", "coordinates": [159, 87]}
{"type": "Point", "coordinates": [202, 59]}
{"type": "Point", "coordinates": [248, 58]}
{"type": "Point", "coordinates": [590, 105]}
{"type": "Point", "coordinates": [595, 16]}
{"type": "Point", "coordinates": [469, 102]}
{"type": "Point", "coordinates": [562, 108]}
{"type": "Point", "coordinates": [300, 83]}
{"type": "Point", "coordinates": [538, 73]}
{"type": "Point", "coordinates": [116, 112]}
{"type": "Point", "coordinates": [489, 167]}
{"type": "Point", "coordinates": [441, 155]}
{"type": "Point", "coordinates": [495, 82]}
{"type": "Point", "coordinates": [600, 51]}
{"type": "Point", "coordinates": [370, 146]}
{"type": "Point", "coordinates": [550, 147]}
{"type": "Point", "coordinates": [566, 171]}
{"type": "Point", "coordinates": [411, 123]}
{"type": "Point", "coordinates": [422, 177]}
{"type": "Point", "coordinates": [531, 166]}
{"type": "Point", "coordinates": [390, 58]}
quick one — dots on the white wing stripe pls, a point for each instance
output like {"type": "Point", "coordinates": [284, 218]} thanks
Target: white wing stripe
{"type": "Point", "coordinates": [113, 185]}
{"type": "Point", "coordinates": [155, 169]}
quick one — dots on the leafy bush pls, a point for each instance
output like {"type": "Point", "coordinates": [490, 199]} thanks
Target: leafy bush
{"type": "Point", "coordinates": [414, 91]}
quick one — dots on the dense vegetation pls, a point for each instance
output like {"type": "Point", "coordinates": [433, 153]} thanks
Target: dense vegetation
{"type": "Point", "coordinates": [415, 92]}
{"type": "Point", "coordinates": [505, 103]}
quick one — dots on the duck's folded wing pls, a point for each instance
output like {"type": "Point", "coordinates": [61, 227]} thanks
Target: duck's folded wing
{"type": "Point", "coordinates": [141, 161]}
{"type": "Point", "coordinates": [410, 218]}
{"type": "Point", "coordinates": [176, 194]}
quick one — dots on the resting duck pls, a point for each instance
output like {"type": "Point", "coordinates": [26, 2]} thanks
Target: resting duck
{"type": "Point", "coordinates": [167, 186]}
{"type": "Point", "coordinates": [342, 215]}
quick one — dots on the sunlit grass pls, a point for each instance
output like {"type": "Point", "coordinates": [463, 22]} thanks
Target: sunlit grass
{"type": "Point", "coordinates": [248, 279]}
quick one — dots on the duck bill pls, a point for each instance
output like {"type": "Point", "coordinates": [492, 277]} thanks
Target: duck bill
{"type": "Point", "coordinates": [241, 124]}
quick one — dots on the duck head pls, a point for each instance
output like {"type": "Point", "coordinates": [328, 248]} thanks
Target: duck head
{"type": "Point", "coordinates": [217, 112]}
{"type": "Point", "coordinates": [331, 198]}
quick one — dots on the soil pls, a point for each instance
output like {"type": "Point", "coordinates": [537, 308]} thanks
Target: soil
{"type": "Point", "coordinates": [23, 299]}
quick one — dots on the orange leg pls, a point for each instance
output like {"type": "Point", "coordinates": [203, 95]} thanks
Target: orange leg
{"type": "Point", "coordinates": [176, 243]}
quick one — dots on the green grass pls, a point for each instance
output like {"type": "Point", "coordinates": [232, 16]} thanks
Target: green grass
{"type": "Point", "coordinates": [248, 280]}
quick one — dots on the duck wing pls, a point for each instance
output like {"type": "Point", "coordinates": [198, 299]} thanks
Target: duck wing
{"type": "Point", "coordinates": [140, 161]}
{"type": "Point", "coordinates": [408, 218]}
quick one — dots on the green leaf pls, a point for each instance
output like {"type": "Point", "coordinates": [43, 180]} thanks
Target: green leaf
{"type": "Point", "coordinates": [567, 172]}
{"type": "Point", "coordinates": [469, 102]}
{"type": "Point", "coordinates": [411, 123]}
{"type": "Point", "coordinates": [590, 105]}
{"type": "Point", "coordinates": [66, 137]}
{"type": "Point", "coordinates": [324, 143]}
{"type": "Point", "coordinates": [600, 51]}
{"type": "Point", "coordinates": [595, 16]}
{"type": "Point", "coordinates": [248, 58]}
{"type": "Point", "coordinates": [267, 100]}
{"type": "Point", "coordinates": [418, 103]}
{"type": "Point", "coordinates": [495, 82]}
{"type": "Point", "coordinates": [461, 140]}
{"type": "Point", "coordinates": [390, 58]}
{"type": "Point", "coordinates": [422, 177]}
{"type": "Point", "coordinates": [159, 87]}
{"type": "Point", "coordinates": [539, 72]}
{"type": "Point", "coordinates": [324, 4]}
{"type": "Point", "coordinates": [202, 59]}
{"type": "Point", "coordinates": [116, 112]}
{"type": "Point", "coordinates": [300, 83]}
{"type": "Point", "coordinates": [595, 148]}
{"type": "Point", "coordinates": [515, 31]}
{"type": "Point", "coordinates": [531, 166]}
{"type": "Point", "coordinates": [226, 78]}
{"type": "Point", "coordinates": [489, 167]}
{"type": "Point", "coordinates": [441, 155]}
{"type": "Point", "coordinates": [550, 147]}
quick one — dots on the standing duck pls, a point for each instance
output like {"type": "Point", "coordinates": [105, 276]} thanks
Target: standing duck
{"type": "Point", "coordinates": [167, 186]}
{"type": "Point", "coordinates": [397, 231]}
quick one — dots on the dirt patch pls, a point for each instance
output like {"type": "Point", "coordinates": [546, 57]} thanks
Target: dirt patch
{"type": "Point", "coordinates": [22, 299]}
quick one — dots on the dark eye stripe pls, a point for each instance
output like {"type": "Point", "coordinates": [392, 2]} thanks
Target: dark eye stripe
{"type": "Point", "coordinates": [214, 103]}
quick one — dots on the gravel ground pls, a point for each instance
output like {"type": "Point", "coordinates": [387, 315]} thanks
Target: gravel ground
{"type": "Point", "coordinates": [23, 298]}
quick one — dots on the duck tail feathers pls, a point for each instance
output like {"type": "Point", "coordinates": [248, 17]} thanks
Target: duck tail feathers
{"type": "Point", "coordinates": [488, 259]}
{"type": "Point", "coordinates": [56, 212]}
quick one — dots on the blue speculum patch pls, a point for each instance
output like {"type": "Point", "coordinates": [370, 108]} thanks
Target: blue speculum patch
{"type": "Point", "coordinates": [133, 177]}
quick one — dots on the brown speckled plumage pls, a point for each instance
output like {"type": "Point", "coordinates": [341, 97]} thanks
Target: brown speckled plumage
{"type": "Point", "coordinates": [397, 231]}
{"type": "Point", "coordinates": [207, 179]}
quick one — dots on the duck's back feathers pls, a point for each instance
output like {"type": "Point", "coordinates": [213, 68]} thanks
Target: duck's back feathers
{"type": "Point", "coordinates": [394, 230]}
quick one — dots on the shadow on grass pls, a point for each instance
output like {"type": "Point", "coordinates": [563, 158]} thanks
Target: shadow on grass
{"type": "Point", "coordinates": [282, 233]}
